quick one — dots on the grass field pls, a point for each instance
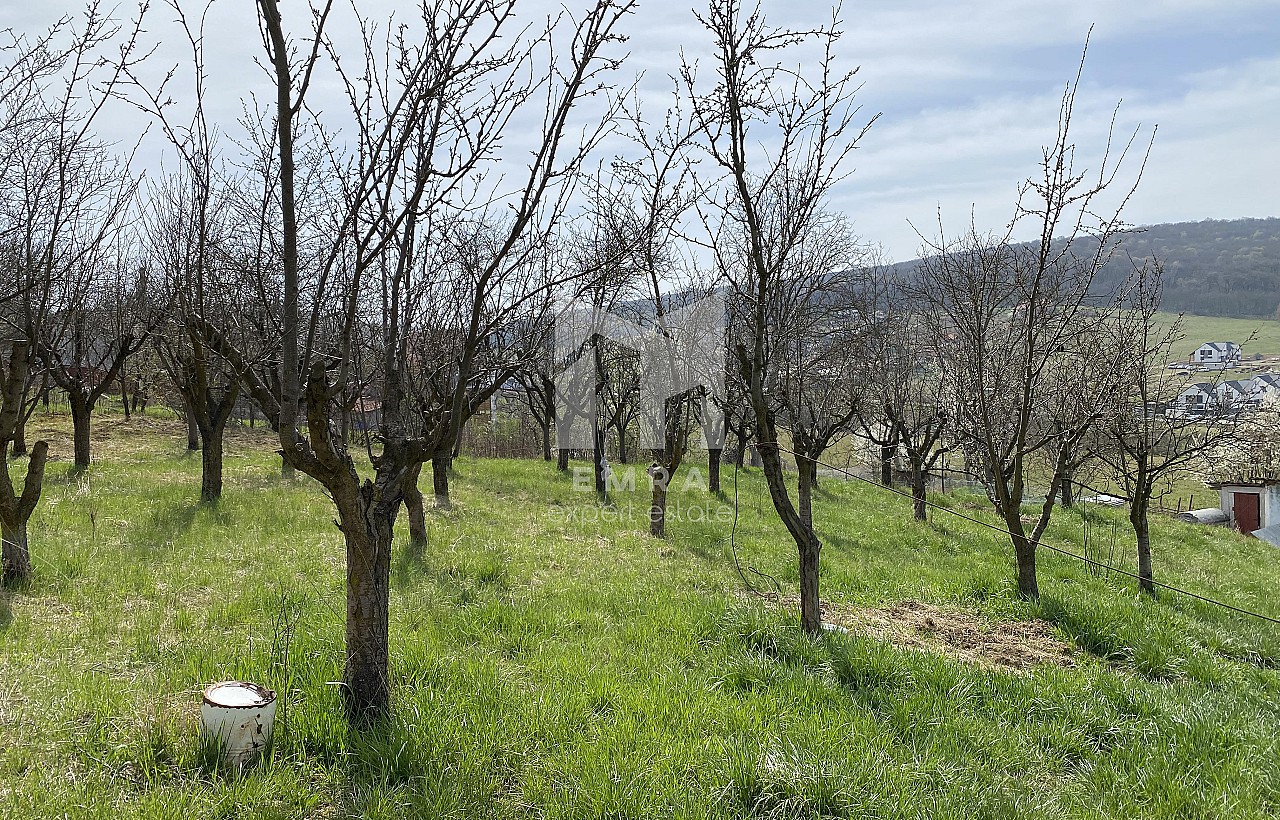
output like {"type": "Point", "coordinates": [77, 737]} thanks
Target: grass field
{"type": "Point", "coordinates": [552, 660]}
{"type": "Point", "coordinates": [1199, 329]}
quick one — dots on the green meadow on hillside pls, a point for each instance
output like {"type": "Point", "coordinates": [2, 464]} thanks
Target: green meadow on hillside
{"type": "Point", "coordinates": [552, 660]}
{"type": "Point", "coordinates": [1265, 334]}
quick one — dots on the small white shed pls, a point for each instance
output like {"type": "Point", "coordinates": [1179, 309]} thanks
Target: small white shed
{"type": "Point", "coordinates": [1252, 505]}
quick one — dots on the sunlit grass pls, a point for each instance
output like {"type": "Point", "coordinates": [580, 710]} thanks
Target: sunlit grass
{"type": "Point", "coordinates": [550, 659]}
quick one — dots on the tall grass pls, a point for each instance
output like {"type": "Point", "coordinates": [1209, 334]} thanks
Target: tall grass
{"type": "Point", "coordinates": [553, 660]}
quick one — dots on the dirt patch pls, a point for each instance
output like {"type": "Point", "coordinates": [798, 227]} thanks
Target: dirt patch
{"type": "Point", "coordinates": [956, 633]}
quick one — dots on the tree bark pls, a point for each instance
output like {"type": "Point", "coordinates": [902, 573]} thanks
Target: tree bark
{"type": "Point", "coordinates": [546, 441]}
{"type": "Point", "coordinates": [366, 673]}
{"type": "Point", "coordinates": [739, 451]}
{"type": "Point", "coordinates": [81, 418]}
{"type": "Point", "coordinates": [919, 490]}
{"type": "Point", "coordinates": [1142, 533]}
{"type": "Point", "coordinates": [211, 440]}
{"type": "Point", "coordinates": [1066, 492]}
{"type": "Point", "coordinates": [622, 445]}
{"type": "Point", "coordinates": [20, 436]}
{"type": "Point", "coordinates": [415, 508]}
{"type": "Point", "coordinates": [886, 465]}
{"type": "Point", "coordinates": [658, 504]}
{"type": "Point", "coordinates": [810, 604]}
{"type": "Point", "coordinates": [15, 511]}
{"type": "Point", "coordinates": [193, 429]}
{"type": "Point", "coordinates": [562, 459]}
{"type": "Point", "coordinates": [597, 460]}
{"type": "Point", "coordinates": [713, 468]}
{"type": "Point", "coordinates": [440, 464]}
{"type": "Point", "coordinates": [807, 470]}
{"type": "Point", "coordinates": [17, 553]}
{"type": "Point", "coordinates": [1024, 550]}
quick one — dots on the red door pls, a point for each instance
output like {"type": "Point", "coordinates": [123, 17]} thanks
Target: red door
{"type": "Point", "coordinates": [1246, 512]}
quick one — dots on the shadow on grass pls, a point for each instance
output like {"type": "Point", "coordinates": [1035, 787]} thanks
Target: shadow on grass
{"type": "Point", "coordinates": [6, 607]}
{"type": "Point", "coordinates": [172, 520]}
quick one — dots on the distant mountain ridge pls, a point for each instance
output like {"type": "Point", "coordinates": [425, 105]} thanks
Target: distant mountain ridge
{"type": "Point", "coordinates": [1215, 267]}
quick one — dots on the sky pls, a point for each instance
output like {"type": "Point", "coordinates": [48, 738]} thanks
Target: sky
{"type": "Point", "coordinates": [966, 93]}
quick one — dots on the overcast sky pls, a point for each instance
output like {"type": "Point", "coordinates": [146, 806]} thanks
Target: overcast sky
{"type": "Point", "coordinates": [967, 93]}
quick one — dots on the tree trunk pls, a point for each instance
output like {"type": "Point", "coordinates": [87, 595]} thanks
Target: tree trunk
{"type": "Point", "coordinates": [211, 462]}
{"type": "Point", "coordinates": [658, 504]}
{"type": "Point", "coordinates": [415, 508]}
{"type": "Point", "coordinates": [1142, 533]}
{"type": "Point", "coordinates": [81, 416]}
{"type": "Point", "coordinates": [20, 436]}
{"type": "Point", "coordinates": [546, 441]}
{"type": "Point", "coordinates": [598, 459]}
{"type": "Point", "coordinates": [755, 456]}
{"type": "Point", "coordinates": [366, 673]}
{"type": "Point", "coordinates": [562, 459]}
{"type": "Point", "coordinates": [807, 469]}
{"type": "Point", "coordinates": [810, 605]}
{"type": "Point", "coordinates": [1025, 551]}
{"type": "Point", "coordinates": [713, 468]}
{"type": "Point", "coordinates": [1066, 492]}
{"type": "Point", "coordinates": [440, 464]}
{"type": "Point", "coordinates": [919, 490]}
{"type": "Point", "coordinates": [622, 445]}
{"type": "Point", "coordinates": [739, 451]}
{"type": "Point", "coordinates": [886, 464]}
{"type": "Point", "coordinates": [15, 510]}
{"type": "Point", "coordinates": [16, 553]}
{"type": "Point", "coordinates": [193, 428]}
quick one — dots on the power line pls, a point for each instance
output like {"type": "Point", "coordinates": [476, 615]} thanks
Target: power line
{"type": "Point", "coordinates": [1050, 547]}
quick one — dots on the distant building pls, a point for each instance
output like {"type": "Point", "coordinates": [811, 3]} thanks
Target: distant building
{"type": "Point", "coordinates": [1216, 356]}
{"type": "Point", "coordinates": [1236, 395]}
{"type": "Point", "coordinates": [1267, 387]}
{"type": "Point", "coordinates": [1195, 400]}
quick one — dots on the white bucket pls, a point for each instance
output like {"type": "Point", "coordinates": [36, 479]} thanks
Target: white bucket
{"type": "Point", "coordinates": [238, 716]}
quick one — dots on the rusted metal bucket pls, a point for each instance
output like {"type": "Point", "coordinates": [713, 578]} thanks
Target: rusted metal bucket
{"type": "Point", "coordinates": [238, 717]}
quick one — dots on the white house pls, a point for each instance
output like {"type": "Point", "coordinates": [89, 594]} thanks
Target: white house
{"type": "Point", "coordinates": [1194, 400]}
{"type": "Point", "coordinates": [1216, 356]}
{"type": "Point", "coordinates": [1240, 394]}
{"type": "Point", "coordinates": [1266, 387]}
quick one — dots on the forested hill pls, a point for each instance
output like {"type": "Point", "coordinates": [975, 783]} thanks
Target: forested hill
{"type": "Point", "coordinates": [1211, 268]}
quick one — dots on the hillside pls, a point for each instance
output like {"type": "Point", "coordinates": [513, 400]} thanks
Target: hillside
{"type": "Point", "coordinates": [1226, 268]}
{"type": "Point", "coordinates": [1211, 268]}
{"type": "Point", "coordinates": [552, 660]}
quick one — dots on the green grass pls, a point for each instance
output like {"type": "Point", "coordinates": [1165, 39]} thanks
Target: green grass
{"type": "Point", "coordinates": [1201, 329]}
{"type": "Point", "coordinates": [550, 659]}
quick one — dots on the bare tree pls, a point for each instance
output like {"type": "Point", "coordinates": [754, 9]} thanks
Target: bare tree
{"type": "Point", "coordinates": [771, 201]}
{"type": "Point", "coordinates": [424, 126]}
{"type": "Point", "coordinates": [817, 348]}
{"type": "Point", "coordinates": [905, 398]}
{"type": "Point", "coordinates": [1151, 437]}
{"type": "Point", "coordinates": [65, 203]}
{"type": "Point", "coordinates": [1010, 315]}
